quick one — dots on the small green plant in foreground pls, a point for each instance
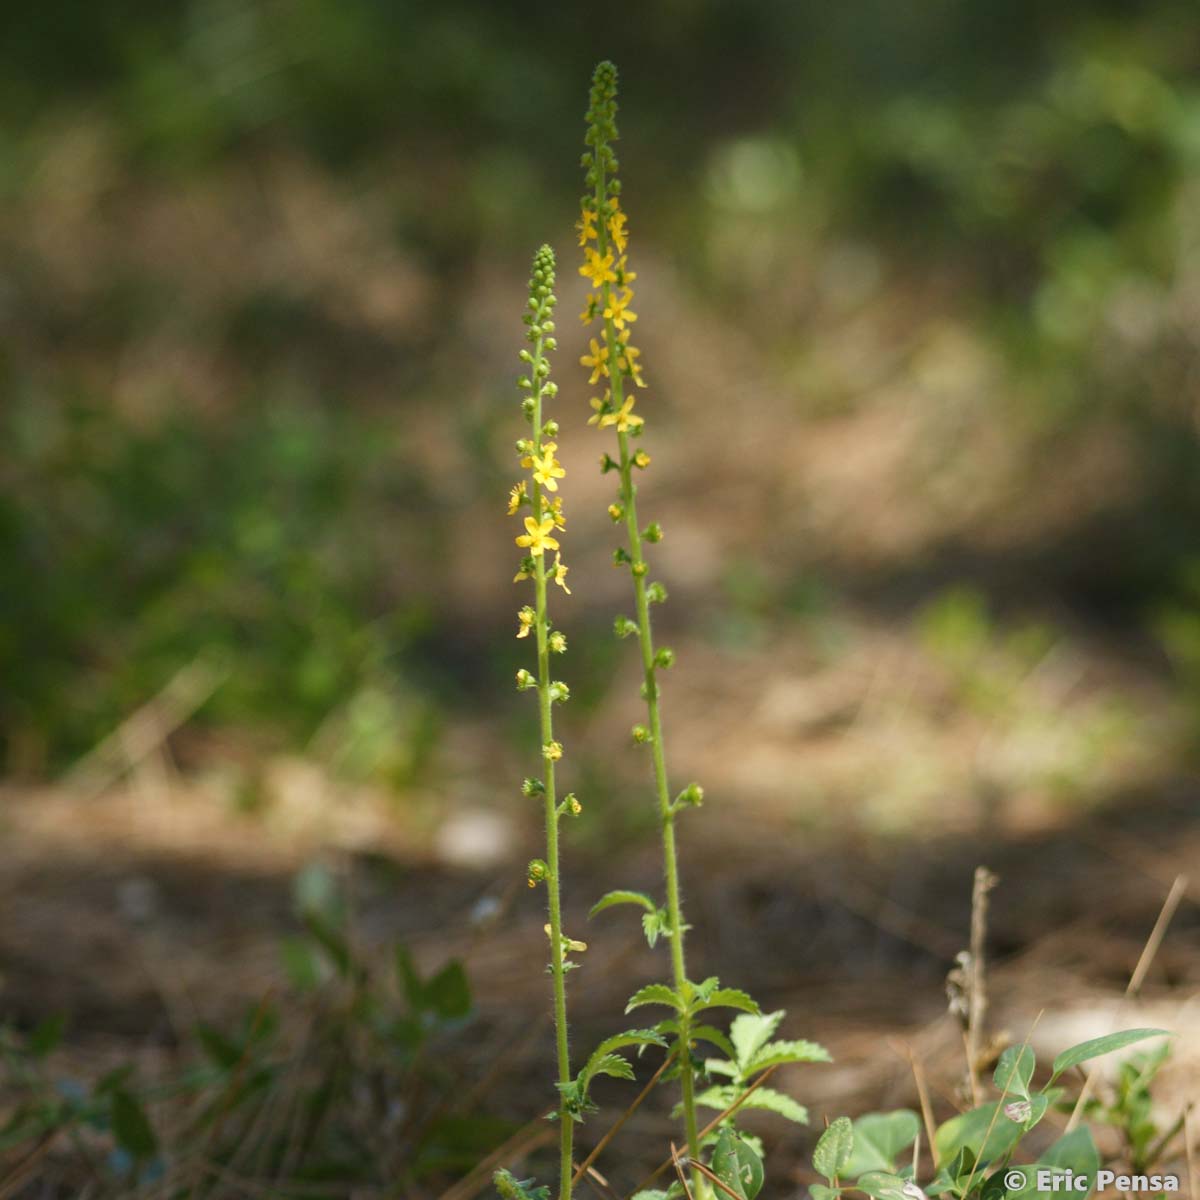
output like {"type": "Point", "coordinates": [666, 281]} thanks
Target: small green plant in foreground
{"type": "Point", "coordinates": [980, 1153]}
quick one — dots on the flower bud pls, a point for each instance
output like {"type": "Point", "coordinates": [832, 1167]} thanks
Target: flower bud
{"type": "Point", "coordinates": [653, 532]}
{"type": "Point", "coordinates": [550, 429]}
{"type": "Point", "coordinates": [692, 795]}
{"type": "Point", "coordinates": [558, 642]}
{"type": "Point", "coordinates": [656, 593]}
{"type": "Point", "coordinates": [552, 751]}
{"type": "Point", "coordinates": [641, 735]}
{"type": "Point", "coordinates": [621, 556]}
{"type": "Point", "coordinates": [559, 692]}
{"type": "Point", "coordinates": [536, 872]}
{"type": "Point", "coordinates": [525, 680]}
{"type": "Point", "coordinates": [639, 569]}
{"type": "Point", "coordinates": [616, 512]}
{"type": "Point", "coordinates": [532, 787]}
{"type": "Point", "coordinates": [607, 464]}
{"type": "Point", "coordinates": [623, 627]}
{"type": "Point", "coordinates": [665, 657]}
{"type": "Point", "coordinates": [572, 805]}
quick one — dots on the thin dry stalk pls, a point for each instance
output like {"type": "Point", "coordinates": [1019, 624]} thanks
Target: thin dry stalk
{"type": "Point", "coordinates": [977, 1005]}
{"type": "Point", "coordinates": [1140, 971]}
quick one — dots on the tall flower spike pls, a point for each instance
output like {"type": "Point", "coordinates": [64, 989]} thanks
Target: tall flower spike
{"type": "Point", "coordinates": [540, 525]}
{"type": "Point", "coordinates": [604, 236]}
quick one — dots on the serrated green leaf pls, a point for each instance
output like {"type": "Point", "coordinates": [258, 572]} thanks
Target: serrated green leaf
{"type": "Point", "coordinates": [701, 990]}
{"type": "Point", "coordinates": [654, 993]}
{"type": "Point", "coordinates": [728, 998]}
{"type": "Point", "coordinates": [630, 1037]}
{"type": "Point", "coordinates": [749, 1033]}
{"type": "Point", "coordinates": [879, 1138]}
{"type": "Point", "coordinates": [652, 927]}
{"type": "Point", "coordinates": [1102, 1045]}
{"type": "Point", "coordinates": [512, 1188]}
{"type": "Point", "coordinates": [798, 1051]}
{"type": "Point", "coordinates": [777, 1102]}
{"type": "Point", "coordinates": [609, 1064]}
{"type": "Point", "coordinates": [1014, 1071]}
{"type": "Point", "coordinates": [709, 1033]}
{"type": "Point", "coordinates": [832, 1151]}
{"type": "Point", "coordinates": [611, 899]}
{"type": "Point", "coordinates": [737, 1165]}
{"type": "Point", "coordinates": [448, 993]}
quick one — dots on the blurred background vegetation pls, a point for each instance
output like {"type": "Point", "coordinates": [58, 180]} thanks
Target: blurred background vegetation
{"type": "Point", "coordinates": [919, 290]}
{"type": "Point", "coordinates": [263, 291]}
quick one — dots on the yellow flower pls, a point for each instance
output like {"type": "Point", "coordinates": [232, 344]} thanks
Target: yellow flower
{"type": "Point", "coordinates": [593, 307]}
{"type": "Point", "coordinates": [526, 618]}
{"type": "Point", "coordinates": [556, 513]}
{"type": "Point", "coordinates": [568, 944]}
{"type": "Point", "coordinates": [560, 573]}
{"type": "Point", "coordinates": [516, 497]}
{"type": "Point", "coordinates": [599, 407]}
{"type": "Point", "coordinates": [640, 459]}
{"type": "Point", "coordinates": [537, 536]}
{"type": "Point", "coordinates": [521, 574]}
{"type": "Point", "coordinates": [546, 469]}
{"type": "Point", "coordinates": [616, 226]}
{"type": "Point", "coordinates": [586, 226]}
{"type": "Point", "coordinates": [597, 360]}
{"type": "Point", "coordinates": [627, 359]}
{"type": "Point", "coordinates": [624, 275]}
{"type": "Point", "coordinates": [552, 751]}
{"type": "Point", "coordinates": [619, 311]}
{"type": "Point", "coordinates": [598, 269]}
{"type": "Point", "coordinates": [624, 418]}
{"type": "Point", "coordinates": [616, 511]}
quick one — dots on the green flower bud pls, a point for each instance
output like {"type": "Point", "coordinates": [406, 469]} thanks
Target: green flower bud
{"type": "Point", "coordinates": [525, 680]}
{"type": "Point", "coordinates": [692, 795]}
{"type": "Point", "coordinates": [641, 735]}
{"type": "Point", "coordinates": [536, 872]}
{"type": "Point", "coordinates": [623, 627]}
{"type": "Point", "coordinates": [532, 787]}
{"type": "Point", "coordinates": [639, 569]}
{"type": "Point", "coordinates": [621, 556]}
{"type": "Point", "coordinates": [664, 657]}
{"type": "Point", "coordinates": [656, 593]}
{"type": "Point", "coordinates": [653, 532]}
{"type": "Point", "coordinates": [559, 692]}
{"type": "Point", "coordinates": [558, 642]}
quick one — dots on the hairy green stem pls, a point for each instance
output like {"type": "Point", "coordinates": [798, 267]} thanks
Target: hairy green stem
{"type": "Point", "coordinates": [638, 569]}
{"type": "Point", "coordinates": [553, 892]}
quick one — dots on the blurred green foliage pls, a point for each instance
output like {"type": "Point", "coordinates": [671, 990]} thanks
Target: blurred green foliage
{"type": "Point", "coordinates": [1042, 158]}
